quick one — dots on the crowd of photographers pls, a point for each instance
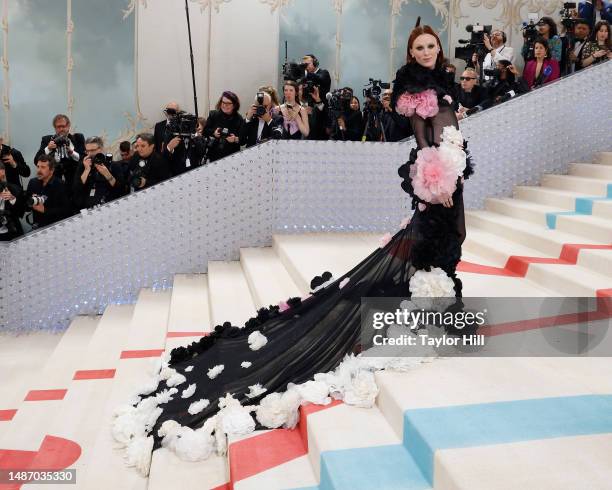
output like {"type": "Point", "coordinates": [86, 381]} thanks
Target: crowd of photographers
{"type": "Point", "coordinates": [74, 173]}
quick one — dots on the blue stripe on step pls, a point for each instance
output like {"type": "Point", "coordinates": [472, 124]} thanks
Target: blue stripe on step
{"type": "Point", "coordinates": [430, 429]}
{"type": "Point", "coordinates": [582, 206]}
{"type": "Point", "coordinates": [551, 218]}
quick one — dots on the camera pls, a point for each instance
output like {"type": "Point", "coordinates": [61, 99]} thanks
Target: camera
{"type": "Point", "coordinates": [308, 83]}
{"type": "Point", "coordinates": [293, 71]}
{"type": "Point", "coordinates": [260, 110]}
{"type": "Point", "coordinates": [61, 141]}
{"type": "Point", "coordinates": [475, 44]}
{"type": "Point", "coordinates": [567, 19]}
{"type": "Point", "coordinates": [138, 175]}
{"type": "Point", "coordinates": [339, 101]}
{"type": "Point", "coordinates": [102, 159]}
{"type": "Point", "coordinates": [224, 133]}
{"type": "Point", "coordinates": [181, 123]}
{"type": "Point", "coordinates": [375, 88]}
{"type": "Point", "coordinates": [35, 201]}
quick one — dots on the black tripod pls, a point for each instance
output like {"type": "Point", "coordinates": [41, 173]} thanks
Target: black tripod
{"type": "Point", "coordinates": [195, 96]}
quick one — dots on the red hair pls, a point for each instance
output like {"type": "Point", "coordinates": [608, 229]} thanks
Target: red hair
{"type": "Point", "coordinates": [418, 31]}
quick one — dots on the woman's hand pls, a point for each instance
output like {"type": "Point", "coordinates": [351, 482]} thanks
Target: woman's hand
{"type": "Point", "coordinates": [447, 201]}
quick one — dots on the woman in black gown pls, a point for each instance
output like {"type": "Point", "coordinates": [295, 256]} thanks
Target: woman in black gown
{"type": "Point", "coordinates": [302, 337]}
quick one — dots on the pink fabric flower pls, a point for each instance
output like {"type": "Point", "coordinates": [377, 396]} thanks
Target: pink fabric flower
{"type": "Point", "coordinates": [385, 239]}
{"type": "Point", "coordinates": [405, 222]}
{"type": "Point", "coordinates": [283, 306]}
{"type": "Point", "coordinates": [422, 206]}
{"type": "Point", "coordinates": [433, 177]}
{"type": "Point", "coordinates": [424, 103]}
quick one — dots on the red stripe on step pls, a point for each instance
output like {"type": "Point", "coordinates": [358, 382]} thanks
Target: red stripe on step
{"type": "Point", "coordinates": [225, 486]}
{"type": "Point", "coordinates": [603, 312]}
{"type": "Point", "coordinates": [139, 354]}
{"type": "Point", "coordinates": [94, 374]}
{"type": "Point", "coordinates": [172, 335]}
{"type": "Point", "coordinates": [263, 452]}
{"type": "Point", "coordinates": [7, 415]}
{"type": "Point", "coordinates": [518, 265]}
{"type": "Point", "coordinates": [45, 395]}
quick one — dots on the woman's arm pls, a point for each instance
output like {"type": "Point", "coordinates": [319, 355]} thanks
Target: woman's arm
{"type": "Point", "coordinates": [302, 122]}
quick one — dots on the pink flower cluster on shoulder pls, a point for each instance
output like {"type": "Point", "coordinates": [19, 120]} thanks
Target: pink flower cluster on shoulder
{"type": "Point", "coordinates": [424, 103]}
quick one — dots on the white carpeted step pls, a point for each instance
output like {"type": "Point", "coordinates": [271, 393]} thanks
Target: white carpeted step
{"type": "Point", "coordinates": [562, 200]}
{"type": "Point", "coordinates": [23, 356]}
{"type": "Point", "coordinates": [29, 425]}
{"type": "Point", "coordinates": [520, 209]}
{"type": "Point", "coordinates": [603, 158]}
{"type": "Point", "coordinates": [569, 280]}
{"type": "Point", "coordinates": [168, 471]}
{"type": "Point", "coordinates": [146, 337]}
{"type": "Point", "coordinates": [267, 277]}
{"type": "Point", "coordinates": [309, 255]}
{"type": "Point", "coordinates": [189, 309]}
{"type": "Point", "coordinates": [603, 209]}
{"type": "Point", "coordinates": [591, 170]}
{"type": "Point", "coordinates": [597, 260]}
{"type": "Point", "coordinates": [229, 294]}
{"type": "Point", "coordinates": [91, 384]}
{"type": "Point", "coordinates": [588, 186]}
{"type": "Point", "coordinates": [589, 227]}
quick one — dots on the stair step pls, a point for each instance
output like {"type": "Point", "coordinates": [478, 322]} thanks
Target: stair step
{"type": "Point", "coordinates": [589, 227]}
{"type": "Point", "coordinates": [267, 277]}
{"type": "Point", "coordinates": [520, 209]}
{"type": "Point", "coordinates": [589, 186]}
{"type": "Point", "coordinates": [189, 309]}
{"type": "Point", "coordinates": [569, 280]}
{"type": "Point", "coordinates": [309, 255]}
{"type": "Point", "coordinates": [603, 158]}
{"type": "Point", "coordinates": [591, 170]}
{"type": "Point", "coordinates": [146, 337]}
{"type": "Point", "coordinates": [229, 293]}
{"type": "Point", "coordinates": [168, 471]}
{"type": "Point", "coordinates": [563, 200]}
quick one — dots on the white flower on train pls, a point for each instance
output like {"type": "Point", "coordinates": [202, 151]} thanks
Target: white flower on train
{"type": "Point", "coordinates": [246, 364]}
{"type": "Point", "coordinates": [256, 390]}
{"type": "Point", "coordinates": [165, 396]}
{"type": "Point", "coordinates": [452, 135]}
{"type": "Point", "coordinates": [197, 407]}
{"type": "Point", "coordinates": [186, 443]}
{"type": "Point", "coordinates": [432, 284]}
{"type": "Point", "coordinates": [175, 380]}
{"type": "Point", "coordinates": [149, 387]}
{"type": "Point", "coordinates": [166, 373]}
{"type": "Point", "coordinates": [362, 390]}
{"type": "Point", "coordinates": [234, 418]}
{"type": "Point", "coordinates": [215, 371]}
{"type": "Point", "coordinates": [279, 410]}
{"type": "Point", "coordinates": [138, 454]}
{"type": "Point", "coordinates": [257, 340]}
{"type": "Point", "coordinates": [189, 391]}
{"type": "Point", "coordinates": [313, 391]}
{"type": "Point", "coordinates": [188, 369]}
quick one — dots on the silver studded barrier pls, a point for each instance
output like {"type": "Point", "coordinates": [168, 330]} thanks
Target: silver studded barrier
{"type": "Point", "coordinates": [105, 255]}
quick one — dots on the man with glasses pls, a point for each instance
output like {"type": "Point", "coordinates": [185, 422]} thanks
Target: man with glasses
{"type": "Point", "coordinates": [469, 94]}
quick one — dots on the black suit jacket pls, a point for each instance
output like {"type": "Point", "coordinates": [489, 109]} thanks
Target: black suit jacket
{"type": "Point", "coordinates": [57, 205]}
{"type": "Point", "coordinates": [159, 134]}
{"type": "Point", "coordinates": [324, 81]}
{"type": "Point", "coordinates": [14, 212]}
{"type": "Point", "coordinates": [22, 169]}
{"type": "Point", "coordinates": [250, 129]}
{"type": "Point", "coordinates": [78, 141]}
{"type": "Point", "coordinates": [155, 170]}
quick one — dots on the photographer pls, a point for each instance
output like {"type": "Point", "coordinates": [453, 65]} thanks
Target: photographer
{"type": "Point", "coordinates": [543, 68]}
{"type": "Point", "coordinates": [396, 126]}
{"type": "Point", "coordinates": [261, 124]}
{"type": "Point", "coordinates": [186, 147]}
{"type": "Point", "coordinates": [294, 116]}
{"type": "Point", "coordinates": [159, 132]}
{"type": "Point", "coordinates": [322, 79]}
{"type": "Point", "coordinates": [595, 10]}
{"type": "Point", "coordinates": [547, 29]}
{"type": "Point", "coordinates": [505, 83]}
{"type": "Point", "coordinates": [65, 149]}
{"type": "Point", "coordinates": [317, 115]}
{"type": "Point", "coordinates": [46, 194]}
{"type": "Point", "coordinates": [14, 164]}
{"type": "Point", "coordinates": [11, 207]}
{"type": "Point", "coordinates": [468, 93]}
{"type": "Point", "coordinates": [497, 49]}
{"type": "Point", "coordinates": [98, 179]}
{"type": "Point", "coordinates": [347, 124]}
{"type": "Point", "coordinates": [147, 167]}
{"type": "Point", "coordinates": [225, 125]}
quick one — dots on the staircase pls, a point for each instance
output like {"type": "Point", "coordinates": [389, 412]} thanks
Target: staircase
{"type": "Point", "coordinates": [449, 424]}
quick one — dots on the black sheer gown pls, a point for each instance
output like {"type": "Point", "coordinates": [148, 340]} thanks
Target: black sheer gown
{"type": "Point", "coordinates": [314, 334]}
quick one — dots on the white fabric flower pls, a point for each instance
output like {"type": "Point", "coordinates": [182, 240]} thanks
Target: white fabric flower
{"type": "Point", "coordinates": [189, 391]}
{"type": "Point", "coordinates": [277, 410]}
{"type": "Point", "coordinates": [165, 396]}
{"type": "Point", "coordinates": [213, 372]}
{"type": "Point", "coordinates": [256, 390]}
{"type": "Point", "coordinates": [344, 282]}
{"type": "Point", "coordinates": [175, 380]}
{"type": "Point", "coordinates": [186, 443]}
{"type": "Point", "coordinates": [452, 135]}
{"type": "Point", "coordinates": [431, 284]}
{"type": "Point", "coordinates": [362, 390]}
{"type": "Point", "coordinates": [149, 387]}
{"type": "Point", "coordinates": [138, 454]}
{"type": "Point", "coordinates": [197, 407]}
{"type": "Point", "coordinates": [188, 369]}
{"type": "Point", "coordinates": [166, 373]}
{"type": "Point", "coordinates": [234, 419]}
{"type": "Point", "coordinates": [134, 422]}
{"type": "Point", "coordinates": [246, 364]}
{"type": "Point", "coordinates": [455, 156]}
{"type": "Point", "coordinates": [314, 392]}
{"type": "Point", "coordinates": [257, 340]}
